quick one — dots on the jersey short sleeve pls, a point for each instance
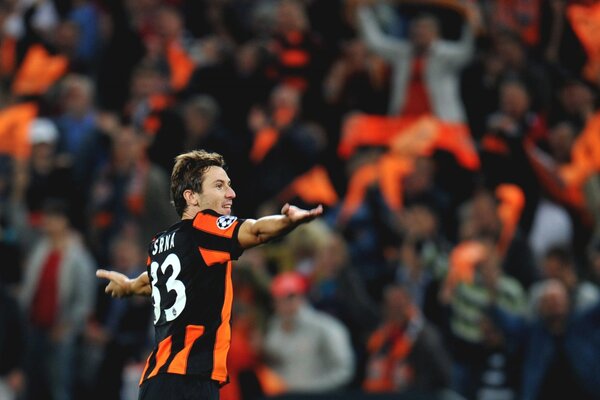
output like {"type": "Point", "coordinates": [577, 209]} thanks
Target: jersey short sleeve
{"type": "Point", "coordinates": [220, 232]}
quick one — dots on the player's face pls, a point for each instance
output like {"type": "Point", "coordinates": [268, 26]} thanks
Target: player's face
{"type": "Point", "coordinates": [217, 194]}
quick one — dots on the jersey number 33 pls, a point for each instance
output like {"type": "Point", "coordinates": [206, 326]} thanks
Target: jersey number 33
{"type": "Point", "coordinates": [171, 285]}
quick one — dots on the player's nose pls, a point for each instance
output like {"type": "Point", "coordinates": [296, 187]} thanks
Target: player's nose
{"type": "Point", "coordinates": [230, 193]}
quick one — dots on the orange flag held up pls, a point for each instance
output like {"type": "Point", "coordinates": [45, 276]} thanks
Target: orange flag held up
{"type": "Point", "coordinates": [313, 187]}
{"type": "Point", "coordinates": [409, 136]}
{"type": "Point", "coordinates": [181, 65]}
{"type": "Point", "coordinates": [510, 208]}
{"type": "Point", "coordinates": [38, 72]}
{"type": "Point", "coordinates": [14, 129]}
{"type": "Point", "coordinates": [387, 173]}
{"type": "Point", "coordinates": [264, 140]}
{"type": "Point", "coordinates": [585, 20]}
{"type": "Point", "coordinates": [585, 155]}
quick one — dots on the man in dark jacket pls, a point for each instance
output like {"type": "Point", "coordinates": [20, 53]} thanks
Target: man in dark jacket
{"type": "Point", "coordinates": [561, 347]}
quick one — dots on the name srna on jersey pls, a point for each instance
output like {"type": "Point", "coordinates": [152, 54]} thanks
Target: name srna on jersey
{"type": "Point", "coordinates": [164, 243]}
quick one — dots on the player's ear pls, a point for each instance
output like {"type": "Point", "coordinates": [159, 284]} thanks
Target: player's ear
{"type": "Point", "coordinates": [190, 197]}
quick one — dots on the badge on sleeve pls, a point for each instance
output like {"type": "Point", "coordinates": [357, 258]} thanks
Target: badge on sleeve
{"type": "Point", "coordinates": [225, 221]}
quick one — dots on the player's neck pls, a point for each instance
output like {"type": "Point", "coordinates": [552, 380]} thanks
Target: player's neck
{"type": "Point", "coordinates": [190, 212]}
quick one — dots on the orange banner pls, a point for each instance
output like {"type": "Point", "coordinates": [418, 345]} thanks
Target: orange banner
{"type": "Point", "coordinates": [585, 161]}
{"type": "Point", "coordinates": [14, 129]}
{"type": "Point", "coordinates": [38, 72]}
{"type": "Point", "coordinates": [409, 136]}
{"type": "Point", "coordinates": [313, 187]}
{"type": "Point", "coordinates": [585, 20]}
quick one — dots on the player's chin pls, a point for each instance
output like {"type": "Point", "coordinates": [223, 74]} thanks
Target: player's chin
{"type": "Point", "coordinates": [225, 210]}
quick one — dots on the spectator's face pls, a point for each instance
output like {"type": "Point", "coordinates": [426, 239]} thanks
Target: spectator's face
{"type": "Point", "coordinates": [332, 257]}
{"type": "Point", "coordinates": [126, 255]}
{"type": "Point", "coordinates": [54, 224]}
{"type": "Point", "coordinates": [396, 305]}
{"type": "Point", "coordinates": [290, 17]}
{"type": "Point", "coordinates": [197, 124]}
{"type": "Point", "coordinates": [552, 268]}
{"type": "Point", "coordinates": [141, 6]}
{"type": "Point", "coordinates": [420, 222]}
{"type": "Point", "coordinates": [421, 179]}
{"type": "Point", "coordinates": [41, 152]}
{"type": "Point", "coordinates": [493, 64]}
{"type": "Point", "coordinates": [285, 104]}
{"type": "Point", "coordinates": [217, 193]}
{"type": "Point", "coordinates": [356, 53]}
{"type": "Point", "coordinates": [287, 306]}
{"type": "Point", "coordinates": [247, 59]}
{"type": "Point", "coordinates": [76, 100]}
{"type": "Point", "coordinates": [561, 141]}
{"type": "Point", "coordinates": [554, 303]}
{"type": "Point", "coordinates": [67, 37]}
{"type": "Point", "coordinates": [514, 100]}
{"type": "Point", "coordinates": [169, 24]}
{"type": "Point", "coordinates": [145, 83]}
{"type": "Point", "coordinates": [576, 98]}
{"type": "Point", "coordinates": [489, 269]}
{"type": "Point", "coordinates": [511, 52]}
{"type": "Point", "coordinates": [127, 148]}
{"type": "Point", "coordinates": [423, 32]}
{"type": "Point", "coordinates": [482, 217]}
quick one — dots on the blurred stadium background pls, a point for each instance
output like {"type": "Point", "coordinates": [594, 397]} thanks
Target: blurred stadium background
{"type": "Point", "coordinates": [454, 143]}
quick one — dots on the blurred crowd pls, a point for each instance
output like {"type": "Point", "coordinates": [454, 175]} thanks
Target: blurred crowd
{"type": "Point", "coordinates": [454, 143]}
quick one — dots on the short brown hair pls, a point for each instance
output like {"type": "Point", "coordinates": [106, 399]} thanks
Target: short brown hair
{"type": "Point", "coordinates": [188, 173]}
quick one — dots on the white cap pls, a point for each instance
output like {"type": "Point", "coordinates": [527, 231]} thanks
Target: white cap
{"type": "Point", "coordinates": [42, 130]}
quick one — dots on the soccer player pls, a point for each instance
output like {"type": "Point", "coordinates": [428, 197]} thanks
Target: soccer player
{"type": "Point", "coordinates": [189, 278]}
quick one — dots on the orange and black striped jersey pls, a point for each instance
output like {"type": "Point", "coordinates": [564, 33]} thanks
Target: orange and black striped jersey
{"type": "Point", "coordinates": [190, 271]}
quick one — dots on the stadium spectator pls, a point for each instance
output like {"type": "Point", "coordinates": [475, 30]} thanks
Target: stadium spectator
{"type": "Point", "coordinates": [77, 119]}
{"type": "Point", "coordinates": [559, 264]}
{"type": "Point", "coordinates": [487, 215]}
{"type": "Point", "coordinates": [12, 346]}
{"type": "Point", "coordinates": [593, 263]}
{"type": "Point", "coordinates": [49, 175]}
{"type": "Point", "coordinates": [120, 328]}
{"type": "Point", "coordinates": [308, 349]}
{"type": "Point", "coordinates": [336, 288]}
{"type": "Point", "coordinates": [425, 67]}
{"type": "Point", "coordinates": [57, 295]}
{"type": "Point", "coordinates": [357, 80]}
{"type": "Point", "coordinates": [495, 373]}
{"type": "Point", "coordinates": [128, 188]}
{"type": "Point", "coordinates": [469, 300]}
{"type": "Point", "coordinates": [284, 144]}
{"type": "Point", "coordinates": [560, 346]}
{"type": "Point", "coordinates": [405, 353]}
{"type": "Point", "coordinates": [518, 65]}
{"type": "Point", "coordinates": [507, 129]}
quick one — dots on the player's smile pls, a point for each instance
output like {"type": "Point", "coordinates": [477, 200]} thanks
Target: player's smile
{"type": "Point", "coordinates": [217, 193]}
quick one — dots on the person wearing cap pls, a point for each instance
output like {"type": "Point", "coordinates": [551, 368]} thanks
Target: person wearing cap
{"type": "Point", "coordinates": [48, 176]}
{"type": "Point", "coordinates": [308, 349]}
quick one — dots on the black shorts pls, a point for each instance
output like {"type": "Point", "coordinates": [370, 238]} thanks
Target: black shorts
{"type": "Point", "coordinates": [179, 387]}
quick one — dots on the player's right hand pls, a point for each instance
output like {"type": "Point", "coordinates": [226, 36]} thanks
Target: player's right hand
{"type": "Point", "coordinates": [119, 285]}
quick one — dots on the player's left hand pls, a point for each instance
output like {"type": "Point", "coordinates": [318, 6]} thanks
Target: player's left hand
{"type": "Point", "coordinates": [119, 286]}
{"type": "Point", "coordinates": [299, 215]}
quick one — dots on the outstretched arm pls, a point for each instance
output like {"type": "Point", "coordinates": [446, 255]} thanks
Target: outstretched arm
{"type": "Point", "coordinates": [122, 286]}
{"type": "Point", "coordinates": [385, 46]}
{"type": "Point", "coordinates": [255, 232]}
